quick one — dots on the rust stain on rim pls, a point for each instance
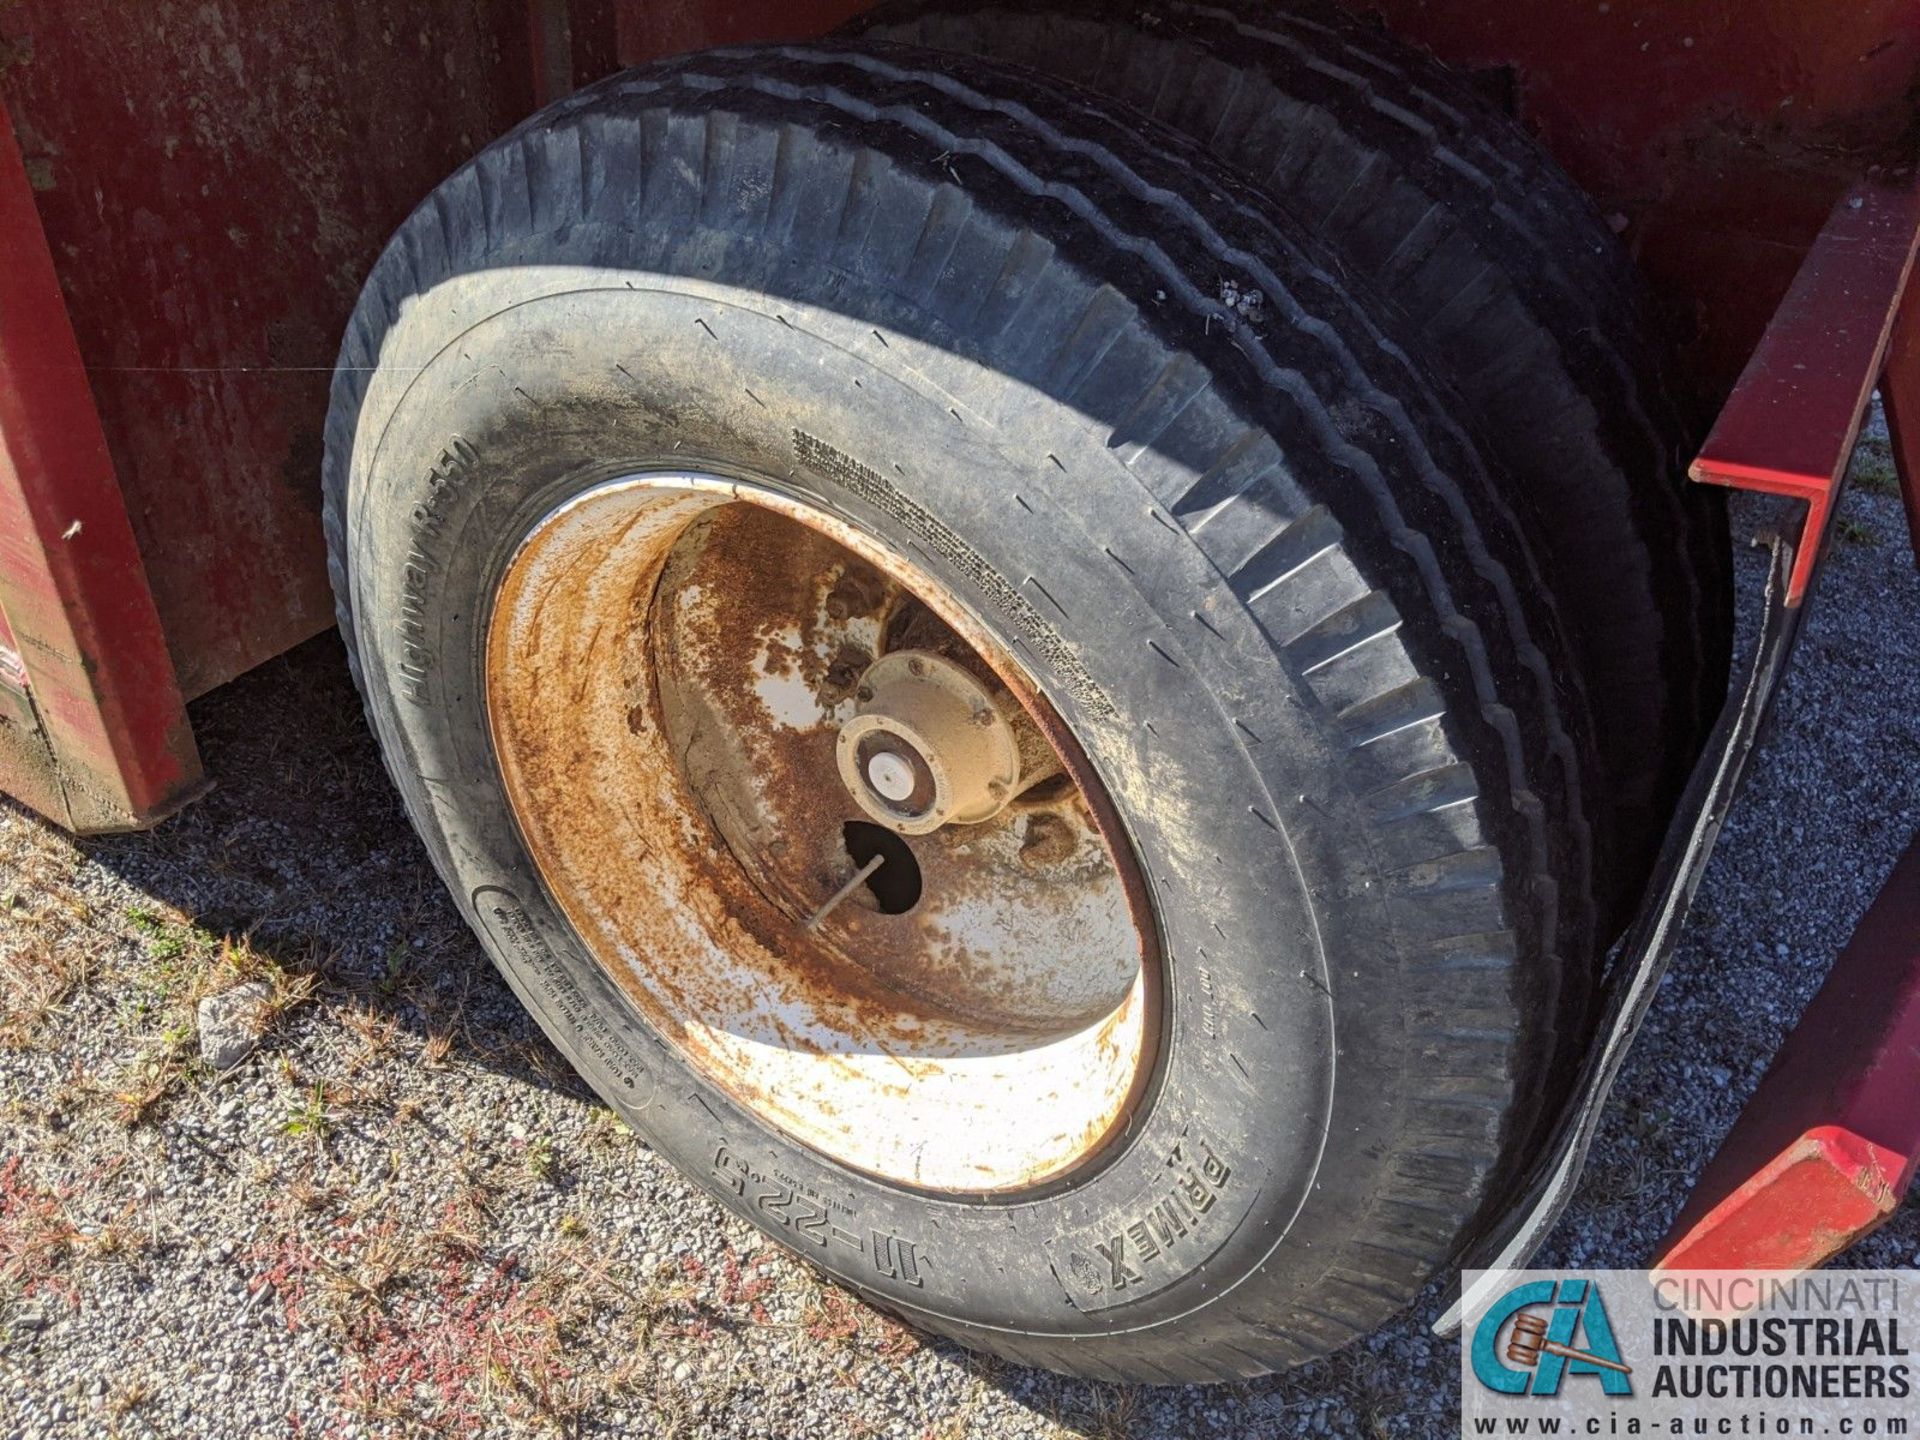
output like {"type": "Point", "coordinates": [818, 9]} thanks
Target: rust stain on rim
{"type": "Point", "coordinates": [669, 661]}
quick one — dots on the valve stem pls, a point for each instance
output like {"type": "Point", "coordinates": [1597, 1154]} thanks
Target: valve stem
{"type": "Point", "coordinates": [859, 877]}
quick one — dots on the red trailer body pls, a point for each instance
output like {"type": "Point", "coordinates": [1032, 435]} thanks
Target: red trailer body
{"type": "Point", "coordinates": [213, 185]}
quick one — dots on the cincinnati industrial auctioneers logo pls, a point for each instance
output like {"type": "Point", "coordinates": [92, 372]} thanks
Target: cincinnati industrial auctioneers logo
{"type": "Point", "coordinates": [1538, 1335]}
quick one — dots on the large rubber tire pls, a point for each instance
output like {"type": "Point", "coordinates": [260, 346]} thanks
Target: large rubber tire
{"type": "Point", "coordinates": [1523, 299]}
{"type": "Point", "coordinates": [1254, 566]}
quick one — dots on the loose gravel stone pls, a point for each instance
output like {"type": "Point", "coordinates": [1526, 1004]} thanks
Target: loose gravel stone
{"type": "Point", "coordinates": [231, 1022]}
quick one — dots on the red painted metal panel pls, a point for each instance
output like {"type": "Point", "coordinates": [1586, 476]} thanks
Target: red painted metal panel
{"type": "Point", "coordinates": [650, 29]}
{"type": "Point", "coordinates": [1830, 1141]}
{"type": "Point", "coordinates": [95, 730]}
{"type": "Point", "coordinates": [1719, 133]}
{"type": "Point", "coordinates": [550, 43]}
{"type": "Point", "coordinates": [571, 43]}
{"type": "Point", "coordinates": [216, 180]}
{"type": "Point", "coordinates": [1790, 426]}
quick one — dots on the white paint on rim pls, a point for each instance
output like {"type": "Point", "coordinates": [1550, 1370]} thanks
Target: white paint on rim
{"type": "Point", "coordinates": [782, 688]}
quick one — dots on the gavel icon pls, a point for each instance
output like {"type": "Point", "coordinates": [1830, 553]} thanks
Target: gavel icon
{"type": "Point", "coordinates": [1529, 1342]}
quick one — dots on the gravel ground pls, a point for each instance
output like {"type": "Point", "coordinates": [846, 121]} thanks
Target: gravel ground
{"type": "Point", "coordinates": [402, 1214]}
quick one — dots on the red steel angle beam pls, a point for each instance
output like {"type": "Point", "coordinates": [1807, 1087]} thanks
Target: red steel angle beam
{"type": "Point", "coordinates": [111, 731]}
{"type": "Point", "coordinates": [1790, 425]}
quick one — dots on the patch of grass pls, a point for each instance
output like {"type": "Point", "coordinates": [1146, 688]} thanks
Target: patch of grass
{"type": "Point", "coordinates": [836, 1320]}
{"type": "Point", "coordinates": [309, 1198]}
{"type": "Point", "coordinates": [36, 1233]}
{"type": "Point", "coordinates": [745, 1286]}
{"type": "Point", "coordinates": [959, 1423]}
{"type": "Point", "coordinates": [146, 922]}
{"type": "Point", "coordinates": [238, 963]}
{"type": "Point", "coordinates": [127, 1397]}
{"type": "Point", "coordinates": [169, 936]}
{"type": "Point", "coordinates": [375, 1031]}
{"type": "Point", "coordinates": [52, 945]}
{"type": "Point", "coordinates": [123, 1239]}
{"type": "Point", "coordinates": [830, 1316]}
{"type": "Point", "coordinates": [1873, 467]}
{"type": "Point", "coordinates": [1876, 478]}
{"type": "Point", "coordinates": [395, 969]}
{"type": "Point", "coordinates": [184, 965]}
{"type": "Point", "coordinates": [1857, 533]}
{"type": "Point", "coordinates": [438, 1045]}
{"type": "Point", "coordinates": [436, 1335]}
{"type": "Point", "coordinates": [169, 1060]}
{"type": "Point", "coordinates": [157, 1000]}
{"type": "Point", "coordinates": [603, 1130]}
{"type": "Point", "coordinates": [312, 1118]}
{"type": "Point", "coordinates": [1619, 1179]}
{"type": "Point", "coordinates": [542, 1162]}
{"type": "Point", "coordinates": [667, 1298]}
{"type": "Point", "coordinates": [34, 983]}
{"type": "Point", "coordinates": [1110, 1413]}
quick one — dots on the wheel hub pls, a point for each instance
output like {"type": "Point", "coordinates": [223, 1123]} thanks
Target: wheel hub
{"type": "Point", "coordinates": [929, 746]}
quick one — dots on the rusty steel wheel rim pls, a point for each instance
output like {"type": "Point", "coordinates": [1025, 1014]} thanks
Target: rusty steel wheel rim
{"type": "Point", "coordinates": [823, 832]}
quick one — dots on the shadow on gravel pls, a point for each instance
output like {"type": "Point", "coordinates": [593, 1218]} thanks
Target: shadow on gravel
{"type": "Point", "coordinates": [302, 849]}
